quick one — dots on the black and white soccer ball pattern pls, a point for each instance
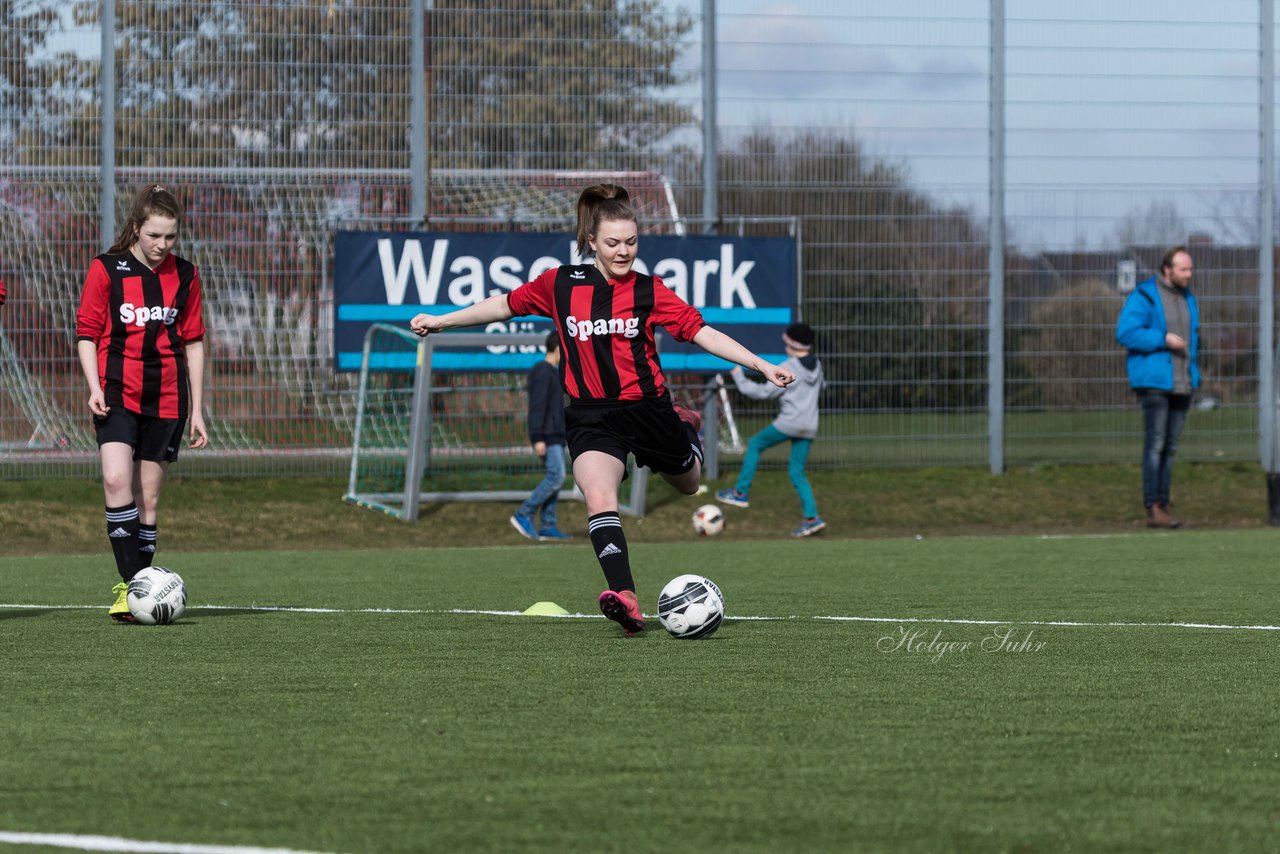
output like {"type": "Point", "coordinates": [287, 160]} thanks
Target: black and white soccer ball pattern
{"type": "Point", "coordinates": [156, 596]}
{"type": "Point", "coordinates": [690, 607]}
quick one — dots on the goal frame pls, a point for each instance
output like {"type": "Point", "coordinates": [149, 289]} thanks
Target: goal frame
{"type": "Point", "coordinates": [407, 505]}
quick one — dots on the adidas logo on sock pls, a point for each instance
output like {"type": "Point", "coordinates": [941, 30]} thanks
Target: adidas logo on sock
{"type": "Point", "coordinates": [150, 549]}
{"type": "Point", "coordinates": [610, 549]}
{"type": "Point", "coordinates": [117, 533]}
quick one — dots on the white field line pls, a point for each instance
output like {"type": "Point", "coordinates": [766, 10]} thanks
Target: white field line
{"type": "Point", "coordinates": [116, 843]}
{"type": "Point", "coordinates": [837, 618]}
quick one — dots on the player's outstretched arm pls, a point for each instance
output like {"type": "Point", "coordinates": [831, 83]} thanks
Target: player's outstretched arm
{"type": "Point", "coordinates": [493, 309]}
{"type": "Point", "coordinates": [718, 344]}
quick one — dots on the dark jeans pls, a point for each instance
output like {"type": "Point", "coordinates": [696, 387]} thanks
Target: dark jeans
{"type": "Point", "coordinates": [1163, 416]}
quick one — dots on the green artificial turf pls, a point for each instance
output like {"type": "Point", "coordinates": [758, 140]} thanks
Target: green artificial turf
{"type": "Point", "coordinates": [366, 731]}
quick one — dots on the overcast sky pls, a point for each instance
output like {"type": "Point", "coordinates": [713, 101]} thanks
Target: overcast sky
{"type": "Point", "coordinates": [1109, 104]}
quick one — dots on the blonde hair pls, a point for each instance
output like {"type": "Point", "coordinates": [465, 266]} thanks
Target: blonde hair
{"type": "Point", "coordinates": [152, 200]}
{"type": "Point", "coordinates": [601, 203]}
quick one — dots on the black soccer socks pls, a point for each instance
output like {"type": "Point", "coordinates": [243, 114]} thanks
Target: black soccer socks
{"type": "Point", "coordinates": [122, 531]}
{"type": "Point", "coordinates": [610, 545]}
{"type": "Point", "coordinates": [146, 544]}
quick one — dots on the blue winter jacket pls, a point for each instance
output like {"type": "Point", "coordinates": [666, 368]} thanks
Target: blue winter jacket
{"type": "Point", "coordinates": [1141, 330]}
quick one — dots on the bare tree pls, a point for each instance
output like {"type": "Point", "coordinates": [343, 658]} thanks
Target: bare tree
{"type": "Point", "coordinates": [894, 280]}
{"type": "Point", "coordinates": [1157, 224]}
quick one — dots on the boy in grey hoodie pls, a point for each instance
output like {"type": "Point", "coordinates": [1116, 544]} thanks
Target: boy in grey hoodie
{"type": "Point", "coordinates": [797, 421]}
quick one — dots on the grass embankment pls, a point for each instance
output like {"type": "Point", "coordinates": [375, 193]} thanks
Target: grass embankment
{"type": "Point", "coordinates": [199, 514]}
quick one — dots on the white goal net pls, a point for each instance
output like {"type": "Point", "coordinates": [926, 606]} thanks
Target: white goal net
{"type": "Point", "coordinates": [263, 240]}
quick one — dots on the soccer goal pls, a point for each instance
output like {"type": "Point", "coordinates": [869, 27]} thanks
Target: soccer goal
{"type": "Point", "coordinates": [424, 436]}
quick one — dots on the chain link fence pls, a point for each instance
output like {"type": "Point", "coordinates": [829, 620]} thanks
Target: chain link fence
{"type": "Point", "coordinates": [1126, 131]}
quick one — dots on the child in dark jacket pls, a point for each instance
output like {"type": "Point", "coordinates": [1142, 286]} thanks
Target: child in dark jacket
{"type": "Point", "coordinates": [536, 518]}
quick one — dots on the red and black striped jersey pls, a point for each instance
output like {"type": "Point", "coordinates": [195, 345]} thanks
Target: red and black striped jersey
{"type": "Point", "coordinates": [142, 319]}
{"type": "Point", "coordinates": [606, 329]}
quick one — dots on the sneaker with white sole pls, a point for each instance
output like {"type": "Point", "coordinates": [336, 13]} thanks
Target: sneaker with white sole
{"type": "Point", "coordinates": [733, 497]}
{"type": "Point", "coordinates": [524, 525]}
{"type": "Point", "coordinates": [809, 527]}
{"type": "Point", "coordinates": [553, 535]}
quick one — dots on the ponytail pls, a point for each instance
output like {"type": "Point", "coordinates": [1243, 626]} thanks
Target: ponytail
{"type": "Point", "coordinates": [152, 200]}
{"type": "Point", "coordinates": [601, 203]}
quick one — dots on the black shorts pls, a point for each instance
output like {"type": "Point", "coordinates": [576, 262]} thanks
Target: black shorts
{"type": "Point", "coordinates": [153, 439]}
{"type": "Point", "coordinates": [648, 429]}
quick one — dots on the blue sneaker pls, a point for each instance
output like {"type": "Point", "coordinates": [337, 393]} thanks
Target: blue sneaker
{"type": "Point", "coordinates": [809, 527]}
{"type": "Point", "coordinates": [524, 525]}
{"type": "Point", "coordinates": [733, 497]}
{"type": "Point", "coordinates": [553, 535]}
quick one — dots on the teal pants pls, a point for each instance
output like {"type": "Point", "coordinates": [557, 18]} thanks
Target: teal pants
{"type": "Point", "coordinates": [763, 441]}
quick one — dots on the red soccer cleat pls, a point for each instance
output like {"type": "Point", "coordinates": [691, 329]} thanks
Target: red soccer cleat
{"type": "Point", "coordinates": [622, 607]}
{"type": "Point", "coordinates": [688, 416]}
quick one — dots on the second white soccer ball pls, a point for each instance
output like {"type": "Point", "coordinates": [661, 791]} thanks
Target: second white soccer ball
{"type": "Point", "coordinates": [156, 596]}
{"type": "Point", "coordinates": [708, 520]}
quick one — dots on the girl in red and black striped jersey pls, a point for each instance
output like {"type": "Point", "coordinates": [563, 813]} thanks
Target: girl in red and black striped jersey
{"type": "Point", "coordinates": [140, 338]}
{"type": "Point", "coordinates": [606, 315]}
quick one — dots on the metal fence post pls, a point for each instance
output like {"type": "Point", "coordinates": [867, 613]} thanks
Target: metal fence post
{"type": "Point", "coordinates": [418, 128]}
{"type": "Point", "coordinates": [419, 431]}
{"type": "Point", "coordinates": [995, 258]}
{"type": "Point", "coordinates": [710, 430]}
{"type": "Point", "coordinates": [1266, 237]}
{"type": "Point", "coordinates": [710, 143]}
{"type": "Point", "coordinates": [107, 131]}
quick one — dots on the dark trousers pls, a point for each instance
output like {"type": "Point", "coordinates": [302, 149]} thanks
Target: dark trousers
{"type": "Point", "coordinates": [1163, 417]}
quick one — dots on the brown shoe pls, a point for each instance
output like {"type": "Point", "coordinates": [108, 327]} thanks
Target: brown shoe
{"type": "Point", "coordinates": [1158, 517]}
{"type": "Point", "coordinates": [1174, 522]}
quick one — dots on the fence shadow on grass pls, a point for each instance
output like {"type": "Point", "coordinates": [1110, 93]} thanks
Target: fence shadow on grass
{"type": "Point", "coordinates": [16, 613]}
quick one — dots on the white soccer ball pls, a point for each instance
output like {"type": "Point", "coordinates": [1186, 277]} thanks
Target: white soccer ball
{"type": "Point", "coordinates": [690, 607]}
{"type": "Point", "coordinates": [156, 596]}
{"type": "Point", "coordinates": [708, 520]}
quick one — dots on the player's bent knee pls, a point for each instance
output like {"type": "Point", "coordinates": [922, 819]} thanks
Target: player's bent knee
{"type": "Point", "coordinates": [687, 483]}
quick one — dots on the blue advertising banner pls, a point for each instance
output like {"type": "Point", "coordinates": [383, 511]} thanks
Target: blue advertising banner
{"type": "Point", "coordinates": [744, 286]}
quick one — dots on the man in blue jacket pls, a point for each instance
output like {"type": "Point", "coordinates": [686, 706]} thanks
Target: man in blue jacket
{"type": "Point", "coordinates": [1160, 327]}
